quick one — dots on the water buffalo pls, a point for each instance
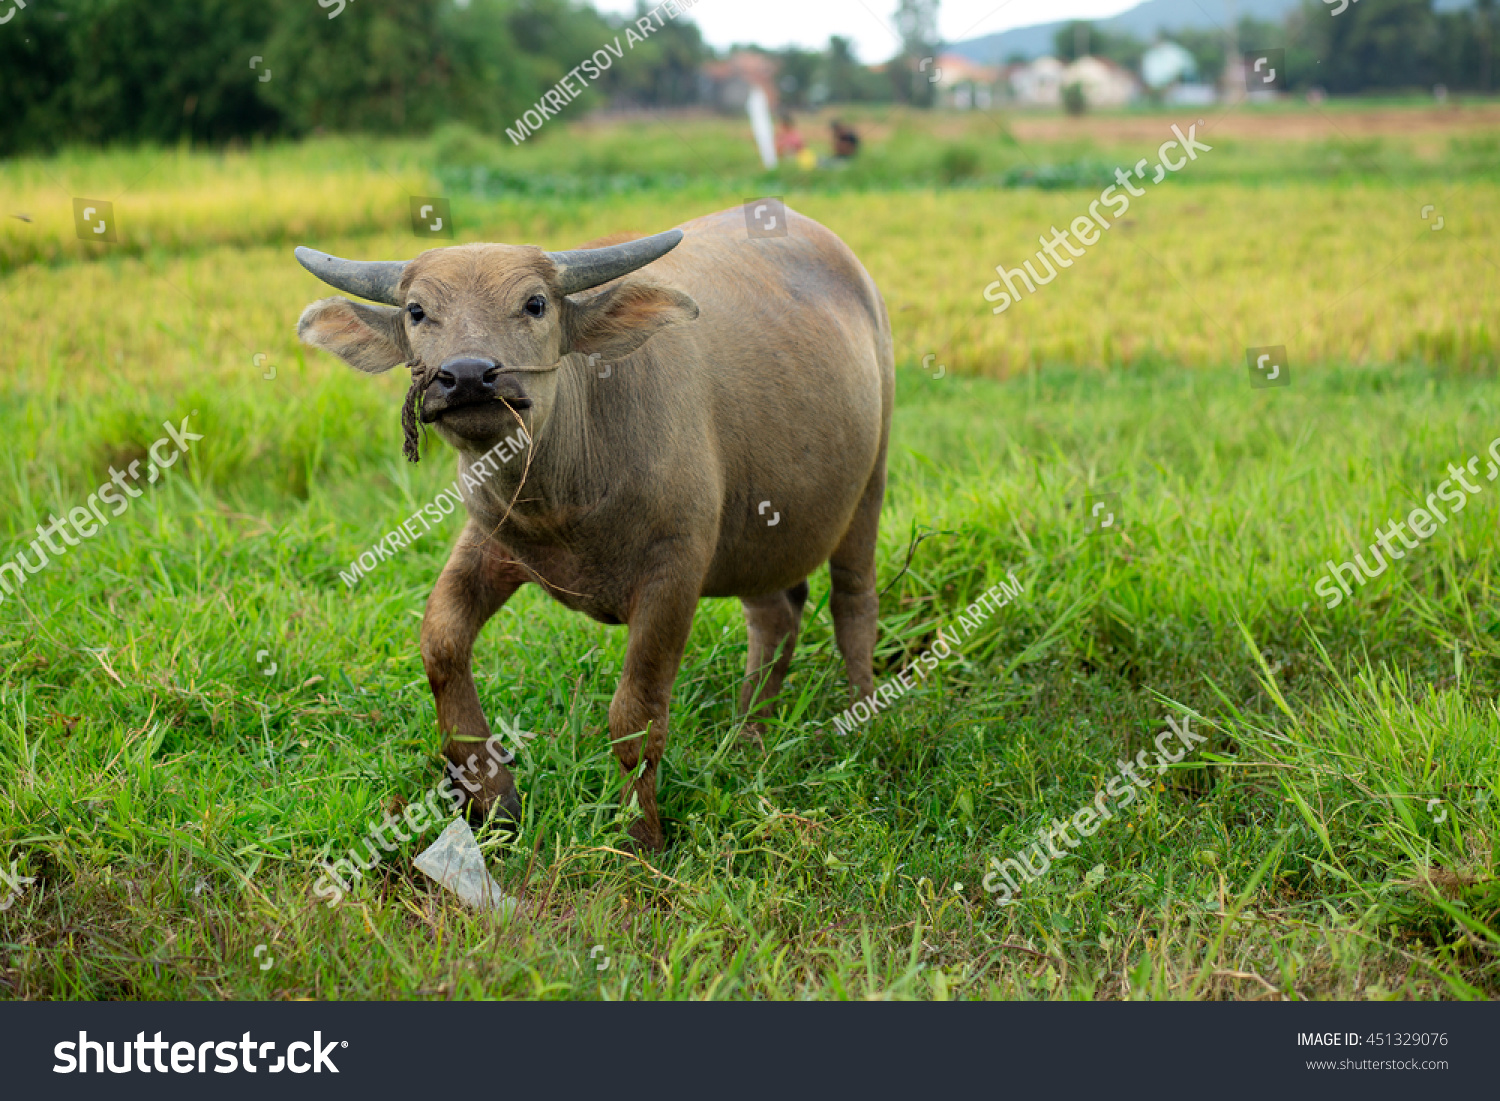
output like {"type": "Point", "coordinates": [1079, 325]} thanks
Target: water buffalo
{"type": "Point", "coordinates": [714, 426]}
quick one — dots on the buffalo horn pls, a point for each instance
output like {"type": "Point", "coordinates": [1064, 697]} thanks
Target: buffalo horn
{"type": "Point", "coordinates": [580, 269]}
{"type": "Point", "coordinates": [376, 280]}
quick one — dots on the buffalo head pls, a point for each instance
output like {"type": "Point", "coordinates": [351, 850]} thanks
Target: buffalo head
{"type": "Point", "coordinates": [491, 324]}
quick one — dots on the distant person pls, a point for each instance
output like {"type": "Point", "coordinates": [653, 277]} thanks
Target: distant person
{"type": "Point", "coordinates": [845, 140]}
{"type": "Point", "coordinates": [788, 138]}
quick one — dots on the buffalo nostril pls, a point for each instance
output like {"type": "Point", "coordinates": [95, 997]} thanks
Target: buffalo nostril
{"type": "Point", "coordinates": [447, 380]}
{"type": "Point", "coordinates": [491, 375]}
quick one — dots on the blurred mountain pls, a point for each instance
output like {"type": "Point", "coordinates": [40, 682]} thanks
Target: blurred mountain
{"type": "Point", "coordinates": [1142, 21]}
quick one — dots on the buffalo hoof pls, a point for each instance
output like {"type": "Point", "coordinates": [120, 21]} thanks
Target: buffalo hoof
{"type": "Point", "coordinates": [503, 810]}
{"type": "Point", "coordinates": [645, 837]}
{"type": "Point", "coordinates": [500, 808]}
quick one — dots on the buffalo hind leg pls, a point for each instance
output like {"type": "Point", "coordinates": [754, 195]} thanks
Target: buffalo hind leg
{"type": "Point", "coordinates": [774, 622]}
{"type": "Point", "coordinates": [854, 603]}
{"type": "Point", "coordinates": [660, 619]}
{"type": "Point", "coordinates": [477, 581]}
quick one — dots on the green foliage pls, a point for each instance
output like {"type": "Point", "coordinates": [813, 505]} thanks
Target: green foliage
{"type": "Point", "coordinates": [662, 71]}
{"type": "Point", "coordinates": [172, 798]}
{"type": "Point", "coordinates": [167, 71]}
{"type": "Point", "coordinates": [396, 66]}
{"type": "Point", "coordinates": [1080, 38]}
{"type": "Point", "coordinates": [847, 80]}
{"type": "Point", "coordinates": [959, 162]}
{"type": "Point", "coordinates": [1335, 838]}
{"type": "Point", "coordinates": [798, 79]}
{"type": "Point", "coordinates": [125, 71]}
{"type": "Point", "coordinates": [1372, 45]}
{"type": "Point", "coordinates": [108, 71]}
{"type": "Point", "coordinates": [809, 78]}
{"type": "Point", "coordinates": [917, 22]}
{"type": "Point", "coordinates": [1074, 101]}
{"type": "Point", "coordinates": [1085, 174]}
{"type": "Point", "coordinates": [1389, 45]}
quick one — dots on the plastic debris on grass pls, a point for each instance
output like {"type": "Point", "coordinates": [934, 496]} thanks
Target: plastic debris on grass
{"type": "Point", "coordinates": [454, 860]}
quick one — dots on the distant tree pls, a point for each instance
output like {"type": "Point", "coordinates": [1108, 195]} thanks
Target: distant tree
{"type": "Point", "coordinates": [916, 20]}
{"type": "Point", "coordinates": [36, 57]}
{"type": "Point", "coordinates": [552, 36]}
{"type": "Point", "coordinates": [1463, 54]}
{"type": "Point", "coordinates": [103, 71]}
{"type": "Point", "coordinates": [1485, 11]}
{"type": "Point", "coordinates": [1080, 39]}
{"type": "Point", "coordinates": [797, 72]}
{"type": "Point", "coordinates": [847, 80]}
{"type": "Point", "coordinates": [405, 66]}
{"type": "Point", "coordinates": [1376, 44]}
{"type": "Point", "coordinates": [1211, 48]}
{"type": "Point", "coordinates": [378, 67]}
{"type": "Point", "coordinates": [663, 70]}
{"type": "Point", "coordinates": [842, 71]}
{"type": "Point", "coordinates": [124, 71]}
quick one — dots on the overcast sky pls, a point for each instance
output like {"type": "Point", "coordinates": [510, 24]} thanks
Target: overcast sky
{"type": "Point", "coordinates": [777, 23]}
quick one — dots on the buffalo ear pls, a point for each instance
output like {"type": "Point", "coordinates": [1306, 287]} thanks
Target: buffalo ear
{"type": "Point", "coordinates": [368, 338]}
{"type": "Point", "coordinates": [619, 320]}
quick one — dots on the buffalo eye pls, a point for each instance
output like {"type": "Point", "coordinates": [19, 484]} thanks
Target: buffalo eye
{"type": "Point", "coordinates": [416, 312]}
{"type": "Point", "coordinates": [536, 305]}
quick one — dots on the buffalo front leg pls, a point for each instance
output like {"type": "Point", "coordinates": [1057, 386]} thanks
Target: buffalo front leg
{"type": "Point", "coordinates": [478, 579]}
{"type": "Point", "coordinates": [659, 623]}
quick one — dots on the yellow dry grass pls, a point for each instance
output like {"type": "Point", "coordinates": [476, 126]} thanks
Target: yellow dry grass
{"type": "Point", "coordinates": [1193, 274]}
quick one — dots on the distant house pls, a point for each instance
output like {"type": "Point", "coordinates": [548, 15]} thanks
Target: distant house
{"type": "Point", "coordinates": [725, 85]}
{"type": "Point", "coordinates": [1105, 84]}
{"type": "Point", "coordinates": [963, 84]}
{"type": "Point", "coordinates": [1037, 83]}
{"type": "Point", "coordinates": [1170, 71]}
{"type": "Point", "coordinates": [1192, 95]}
{"type": "Point", "coordinates": [1166, 64]}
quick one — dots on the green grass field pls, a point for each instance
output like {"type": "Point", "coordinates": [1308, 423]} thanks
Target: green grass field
{"type": "Point", "coordinates": [169, 796]}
